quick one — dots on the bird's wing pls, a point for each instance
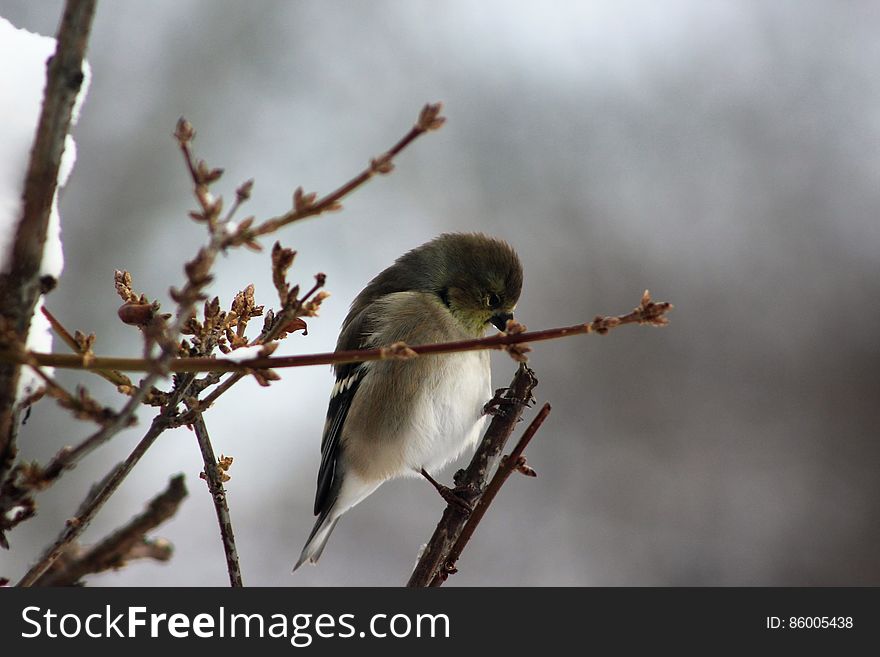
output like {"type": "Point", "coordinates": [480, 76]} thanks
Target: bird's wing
{"type": "Point", "coordinates": [348, 378]}
{"type": "Point", "coordinates": [414, 317]}
{"type": "Point", "coordinates": [343, 393]}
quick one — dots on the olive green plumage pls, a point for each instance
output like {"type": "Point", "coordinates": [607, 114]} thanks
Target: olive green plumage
{"type": "Point", "coordinates": [394, 418]}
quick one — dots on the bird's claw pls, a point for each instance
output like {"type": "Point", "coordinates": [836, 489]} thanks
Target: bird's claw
{"type": "Point", "coordinates": [459, 496]}
{"type": "Point", "coordinates": [500, 405]}
{"type": "Point", "coordinates": [453, 497]}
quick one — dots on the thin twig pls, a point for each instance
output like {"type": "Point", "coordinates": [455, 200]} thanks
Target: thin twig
{"type": "Point", "coordinates": [20, 283]}
{"type": "Point", "coordinates": [471, 483]}
{"type": "Point", "coordinates": [94, 502]}
{"type": "Point", "coordinates": [114, 377]}
{"type": "Point", "coordinates": [126, 543]}
{"type": "Point", "coordinates": [269, 334]}
{"type": "Point", "coordinates": [652, 313]}
{"type": "Point", "coordinates": [306, 206]}
{"type": "Point", "coordinates": [198, 276]}
{"type": "Point", "coordinates": [67, 457]}
{"type": "Point", "coordinates": [218, 494]}
{"type": "Point", "coordinates": [81, 404]}
{"type": "Point", "coordinates": [508, 465]}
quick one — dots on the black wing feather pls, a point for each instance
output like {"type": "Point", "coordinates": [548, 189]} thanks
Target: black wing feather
{"type": "Point", "coordinates": [354, 335]}
{"type": "Point", "coordinates": [348, 380]}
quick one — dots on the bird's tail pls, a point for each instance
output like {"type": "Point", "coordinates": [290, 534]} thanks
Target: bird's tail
{"type": "Point", "coordinates": [318, 538]}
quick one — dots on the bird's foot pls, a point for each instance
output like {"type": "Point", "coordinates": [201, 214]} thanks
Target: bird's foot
{"type": "Point", "coordinates": [457, 496]}
{"type": "Point", "coordinates": [501, 405]}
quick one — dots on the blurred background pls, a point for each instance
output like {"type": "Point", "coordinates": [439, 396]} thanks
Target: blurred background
{"type": "Point", "coordinates": [725, 155]}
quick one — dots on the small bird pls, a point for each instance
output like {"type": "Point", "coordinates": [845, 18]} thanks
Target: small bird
{"type": "Point", "coordinates": [396, 418]}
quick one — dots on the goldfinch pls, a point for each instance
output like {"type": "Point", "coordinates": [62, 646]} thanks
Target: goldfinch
{"type": "Point", "coordinates": [396, 418]}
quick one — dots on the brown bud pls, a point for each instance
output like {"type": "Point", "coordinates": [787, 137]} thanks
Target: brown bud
{"type": "Point", "coordinates": [303, 201]}
{"type": "Point", "coordinates": [137, 314]}
{"type": "Point", "coordinates": [243, 193]}
{"type": "Point", "coordinates": [429, 117]}
{"type": "Point", "coordinates": [184, 132]}
{"type": "Point", "coordinates": [382, 164]}
{"type": "Point", "coordinates": [399, 351]}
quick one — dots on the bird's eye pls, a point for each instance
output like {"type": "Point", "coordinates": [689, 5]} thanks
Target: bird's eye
{"type": "Point", "coordinates": [493, 300]}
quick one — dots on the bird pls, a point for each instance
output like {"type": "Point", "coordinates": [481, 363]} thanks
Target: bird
{"type": "Point", "coordinates": [397, 418]}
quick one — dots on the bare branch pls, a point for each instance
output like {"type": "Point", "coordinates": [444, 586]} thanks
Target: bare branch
{"type": "Point", "coordinates": [159, 331]}
{"type": "Point", "coordinates": [125, 544]}
{"type": "Point", "coordinates": [14, 493]}
{"type": "Point", "coordinates": [93, 503]}
{"type": "Point", "coordinates": [114, 377]}
{"type": "Point", "coordinates": [506, 408]}
{"type": "Point", "coordinates": [214, 476]}
{"type": "Point", "coordinates": [280, 323]}
{"type": "Point", "coordinates": [513, 462]}
{"type": "Point", "coordinates": [305, 205]}
{"type": "Point", "coordinates": [198, 276]}
{"type": "Point", "coordinates": [81, 403]}
{"type": "Point", "coordinates": [649, 312]}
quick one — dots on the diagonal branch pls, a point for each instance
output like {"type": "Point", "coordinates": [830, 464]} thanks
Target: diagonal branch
{"type": "Point", "coordinates": [471, 483]}
{"type": "Point", "coordinates": [93, 503]}
{"type": "Point", "coordinates": [510, 463]}
{"type": "Point", "coordinates": [13, 492]}
{"type": "Point", "coordinates": [305, 205]}
{"type": "Point", "coordinates": [214, 478]}
{"type": "Point", "coordinates": [126, 543]}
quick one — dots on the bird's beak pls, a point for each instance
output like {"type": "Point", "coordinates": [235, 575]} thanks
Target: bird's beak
{"type": "Point", "coordinates": [500, 320]}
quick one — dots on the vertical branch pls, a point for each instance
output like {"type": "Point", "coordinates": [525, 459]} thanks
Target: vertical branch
{"type": "Point", "coordinates": [507, 411]}
{"type": "Point", "coordinates": [20, 283]}
{"type": "Point", "coordinates": [215, 484]}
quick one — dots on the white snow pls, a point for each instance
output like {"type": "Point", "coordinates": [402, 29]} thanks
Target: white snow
{"type": "Point", "coordinates": [23, 58]}
{"type": "Point", "coordinates": [244, 353]}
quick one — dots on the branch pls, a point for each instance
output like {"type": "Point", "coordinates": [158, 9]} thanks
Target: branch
{"type": "Point", "coordinates": [198, 276]}
{"type": "Point", "coordinates": [510, 463]}
{"type": "Point", "coordinates": [126, 543]}
{"type": "Point", "coordinates": [13, 492]}
{"type": "Point", "coordinates": [305, 205]}
{"type": "Point", "coordinates": [20, 285]}
{"type": "Point", "coordinates": [269, 333]}
{"type": "Point", "coordinates": [648, 312]}
{"type": "Point", "coordinates": [471, 483]}
{"type": "Point", "coordinates": [96, 498]}
{"type": "Point", "coordinates": [214, 476]}
{"type": "Point", "coordinates": [67, 457]}
{"type": "Point", "coordinates": [114, 377]}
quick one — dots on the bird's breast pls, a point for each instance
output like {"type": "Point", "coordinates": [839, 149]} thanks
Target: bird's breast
{"type": "Point", "coordinates": [414, 414]}
{"type": "Point", "coordinates": [447, 415]}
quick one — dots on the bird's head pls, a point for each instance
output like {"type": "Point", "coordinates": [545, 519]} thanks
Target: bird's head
{"type": "Point", "coordinates": [479, 278]}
